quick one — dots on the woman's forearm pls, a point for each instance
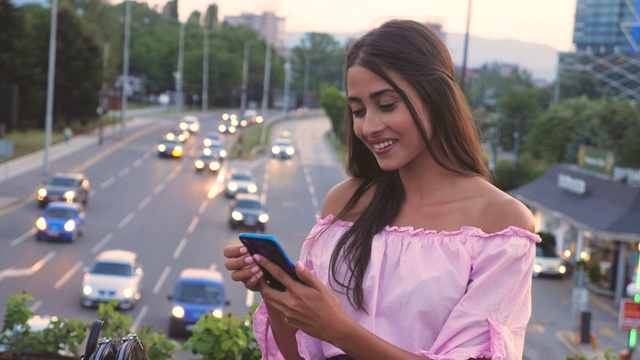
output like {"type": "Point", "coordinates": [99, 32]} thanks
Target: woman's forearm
{"type": "Point", "coordinates": [284, 335]}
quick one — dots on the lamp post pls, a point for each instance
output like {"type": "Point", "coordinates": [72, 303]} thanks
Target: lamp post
{"type": "Point", "coordinates": [205, 70]}
{"type": "Point", "coordinates": [179, 95]}
{"type": "Point", "coordinates": [125, 66]}
{"type": "Point", "coordinates": [307, 61]}
{"type": "Point", "coordinates": [245, 77]}
{"type": "Point", "coordinates": [287, 80]}
{"type": "Point", "coordinates": [50, 81]}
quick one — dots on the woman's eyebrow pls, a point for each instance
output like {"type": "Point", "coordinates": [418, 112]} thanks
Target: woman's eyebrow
{"type": "Point", "coordinates": [372, 96]}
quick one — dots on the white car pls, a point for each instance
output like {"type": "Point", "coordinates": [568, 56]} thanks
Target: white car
{"type": "Point", "coordinates": [191, 124]}
{"type": "Point", "coordinates": [240, 181]}
{"type": "Point", "coordinates": [548, 263]}
{"type": "Point", "coordinates": [114, 274]}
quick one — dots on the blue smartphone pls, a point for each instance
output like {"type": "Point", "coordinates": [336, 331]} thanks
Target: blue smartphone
{"type": "Point", "coordinates": [268, 246]}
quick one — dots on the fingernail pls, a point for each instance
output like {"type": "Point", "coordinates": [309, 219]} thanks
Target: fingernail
{"type": "Point", "coordinates": [255, 269]}
{"type": "Point", "coordinates": [257, 257]}
{"type": "Point", "coordinates": [243, 250]}
{"type": "Point", "coordinates": [248, 260]}
{"type": "Point", "coordinates": [299, 266]}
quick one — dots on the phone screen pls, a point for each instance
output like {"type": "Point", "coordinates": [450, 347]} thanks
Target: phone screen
{"type": "Point", "coordinates": [269, 247]}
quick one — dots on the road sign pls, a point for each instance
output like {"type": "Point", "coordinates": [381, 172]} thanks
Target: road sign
{"type": "Point", "coordinates": [629, 316]}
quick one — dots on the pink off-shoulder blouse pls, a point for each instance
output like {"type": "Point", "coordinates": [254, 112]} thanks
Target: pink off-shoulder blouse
{"type": "Point", "coordinates": [450, 295]}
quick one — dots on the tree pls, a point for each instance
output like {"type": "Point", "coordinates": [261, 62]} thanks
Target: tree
{"type": "Point", "coordinates": [579, 84]}
{"type": "Point", "coordinates": [335, 104]}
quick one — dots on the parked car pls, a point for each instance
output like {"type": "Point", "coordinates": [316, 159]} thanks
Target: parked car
{"type": "Point", "coordinates": [197, 292]}
{"type": "Point", "coordinates": [114, 274]}
{"type": "Point", "coordinates": [69, 187]}
{"type": "Point", "coordinates": [247, 210]}
{"type": "Point", "coordinates": [208, 162]}
{"type": "Point", "coordinates": [240, 181]}
{"type": "Point", "coordinates": [283, 149]}
{"type": "Point", "coordinates": [60, 221]}
{"type": "Point", "coordinates": [190, 123]}
{"type": "Point", "coordinates": [548, 263]}
{"type": "Point", "coordinates": [170, 148]}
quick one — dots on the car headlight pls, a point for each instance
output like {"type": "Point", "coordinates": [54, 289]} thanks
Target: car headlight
{"type": "Point", "coordinates": [225, 116]}
{"type": "Point", "coordinates": [162, 148]}
{"type": "Point", "coordinates": [195, 127]}
{"type": "Point", "coordinates": [41, 224]}
{"type": "Point", "coordinates": [127, 293]}
{"type": "Point", "coordinates": [177, 312]}
{"type": "Point", "coordinates": [69, 195]}
{"type": "Point", "coordinates": [223, 153]}
{"type": "Point", "coordinates": [232, 129]}
{"type": "Point", "coordinates": [171, 136]}
{"type": "Point", "coordinates": [275, 150]}
{"type": "Point", "coordinates": [42, 192]}
{"type": "Point", "coordinates": [290, 151]}
{"type": "Point", "coordinates": [234, 122]}
{"type": "Point", "coordinates": [263, 218]}
{"type": "Point", "coordinates": [70, 225]}
{"type": "Point", "coordinates": [183, 126]}
{"type": "Point", "coordinates": [537, 268]}
{"type": "Point", "coordinates": [87, 290]}
{"type": "Point", "coordinates": [237, 216]}
{"type": "Point", "coordinates": [252, 188]}
{"type": "Point", "coordinates": [207, 142]}
{"type": "Point", "coordinates": [259, 119]}
{"type": "Point", "coordinates": [177, 151]}
{"type": "Point", "coordinates": [222, 128]}
{"type": "Point", "coordinates": [199, 164]}
{"type": "Point", "coordinates": [562, 269]}
{"type": "Point", "coordinates": [217, 313]}
{"type": "Point", "coordinates": [243, 123]}
{"type": "Point", "coordinates": [181, 137]}
{"type": "Point", "coordinates": [206, 151]}
{"type": "Point", "coordinates": [233, 117]}
{"type": "Point", "coordinates": [214, 166]}
{"type": "Point", "coordinates": [232, 186]}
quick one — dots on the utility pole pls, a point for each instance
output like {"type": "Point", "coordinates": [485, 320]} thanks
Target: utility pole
{"type": "Point", "coordinates": [287, 79]}
{"type": "Point", "coordinates": [125, 67]}
{"type": "Point", "coordinates": [179, 95]}
{"type": "Point", "coordinates": [50, 80]}
{"type": "Point", "coordinates": [205, 70]}
{"type": "Point", "coordinates": [245, 77]}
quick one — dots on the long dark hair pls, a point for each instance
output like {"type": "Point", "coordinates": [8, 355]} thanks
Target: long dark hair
{"type": "Point", "coordinates": [417, 53]}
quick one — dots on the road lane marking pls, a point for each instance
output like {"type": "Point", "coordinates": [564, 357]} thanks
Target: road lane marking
{"type": "Point", "coordinates": [13, 272]}
{"type": "Point", "coordinates": [138, 321]}
{"type": "Point", "coordinates": [312, 190]}
{"type": "Point", "coordinates": [107, 182]}
{"type": "Point", "coordinates": [68, 275]}
{"type": "Point", "coordinates": [144, 203]}
{"type": "Point", "coordinates": [126, 220]}
{"type": "Point", "coordinates": [137, 163]}
{"type": "Point", "coordinates": [36, 305]}
{"type": "Point", "coordinates": [203, 206]}
{"type": "Point", "coordinates": [22, 237]}
{"type": "Point", "coordinates": [102, 243]}
{"type": "Point", "coordinates": [180, 247]}
{"type": "Point", "coordinates": [250, 296]}
{"type": "Point", "coordinates": [158, 188]}
{"type": "Point", "coordinates": [193, 224]}
{"type": "Point", "coordinates": [161, 280]}
{"type": "Point", "coordinates": [124, 172]}
{"type": "Point", "coordinates": [265, 184]}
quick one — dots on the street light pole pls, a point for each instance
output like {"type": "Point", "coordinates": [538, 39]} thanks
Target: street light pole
{"type": "Point", "coordinates": [50, 81]}
{"type": "Point", "coordinates": [125, 66]}
{"type": "Point", "coordinates": [205, 70]}
{"type": "Point", "coordinates": [287, 79]}
{"type": "Point", "coordinates": [179, 95]}
{"type": "Point", "coordinates": [267, 76]}
{"type": "Point", "coordinates": [307, 60]}
{"type": "Point", "coordinates": [245, 76]}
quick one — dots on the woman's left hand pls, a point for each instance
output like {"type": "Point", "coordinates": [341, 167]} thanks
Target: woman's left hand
{"type": "Point", "coordinates": [310, 307]}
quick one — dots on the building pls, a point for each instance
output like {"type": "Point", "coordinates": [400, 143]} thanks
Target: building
{"type": "Point", "coordinates": [594, 213]}
{"type": "Point", "coordinates": [606, 36]}
{"type": "Point", "coordinates": [268, 26]}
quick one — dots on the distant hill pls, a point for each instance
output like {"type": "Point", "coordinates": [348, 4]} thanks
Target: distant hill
{"type": "Point", "coordinates": [539, 60]}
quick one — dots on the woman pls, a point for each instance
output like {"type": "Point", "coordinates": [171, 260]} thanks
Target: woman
{"type": "Point", "coordinates": [416, 255]}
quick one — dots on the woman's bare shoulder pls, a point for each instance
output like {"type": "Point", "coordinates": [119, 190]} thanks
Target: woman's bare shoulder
{"type": "Point", "coordinates": [339, 195]}
{"type": "Point", "coordinates": [502, 211]}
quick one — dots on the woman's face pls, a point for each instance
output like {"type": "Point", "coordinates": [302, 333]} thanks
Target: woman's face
{"type": "Point", "coordinates": [382, 121]}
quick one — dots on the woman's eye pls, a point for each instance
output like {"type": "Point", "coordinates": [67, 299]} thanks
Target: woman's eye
{"type": "Point", "coordinates": [357, 113]}
{"type": "Point", "coordinates": [387, 107]}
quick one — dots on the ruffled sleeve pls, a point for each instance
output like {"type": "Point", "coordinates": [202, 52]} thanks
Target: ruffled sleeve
{"type": "Point", "coordinates": [490, 319]}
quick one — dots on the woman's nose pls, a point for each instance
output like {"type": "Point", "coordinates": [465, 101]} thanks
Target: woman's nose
{"type": "Point", "coordinates": [373, 124]}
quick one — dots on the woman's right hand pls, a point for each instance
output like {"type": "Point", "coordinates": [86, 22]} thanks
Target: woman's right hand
{"type": "Point", "coordinates": [242, 266]}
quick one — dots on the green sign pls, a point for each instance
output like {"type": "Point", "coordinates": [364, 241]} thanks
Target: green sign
{"type": "Point", "coordinates": [600, 161]}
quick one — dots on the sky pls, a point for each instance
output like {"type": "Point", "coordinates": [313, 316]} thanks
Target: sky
{"type": "Point", "coordinates": [548, 22]}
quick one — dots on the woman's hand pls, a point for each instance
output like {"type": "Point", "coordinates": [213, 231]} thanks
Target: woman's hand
{"type": "Point", "coordinates": [310, 307]}
{"type": "Point", "coordinates": [242, 266]}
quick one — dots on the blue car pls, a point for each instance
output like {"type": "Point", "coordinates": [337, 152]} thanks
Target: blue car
{"type": "Point", "coordinates": [197, 292]}
{"type": "Point", "coordinates": [60, 221]}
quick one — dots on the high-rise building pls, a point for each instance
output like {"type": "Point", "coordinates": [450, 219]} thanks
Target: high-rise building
{"type": "Point", "coordinates": [269, 26]}
{"type": "Point", "coordinates": [606, 34]}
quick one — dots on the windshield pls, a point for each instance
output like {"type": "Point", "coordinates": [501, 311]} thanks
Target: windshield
{"type": "Point", "coordinates": [58, 181]}
{"type": "Point", "coordinates": [198, 293]}
{"type": "Point", "coordinates": [544, 252]}
{"type": "Point", "coordinates": [241, 177]}
{"type": "Point", "coordinates": [248, 204]}
{"type": "Point", "coordinates": [59, 213]}
{"type": "Point", "coordinates": [108, 268]}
